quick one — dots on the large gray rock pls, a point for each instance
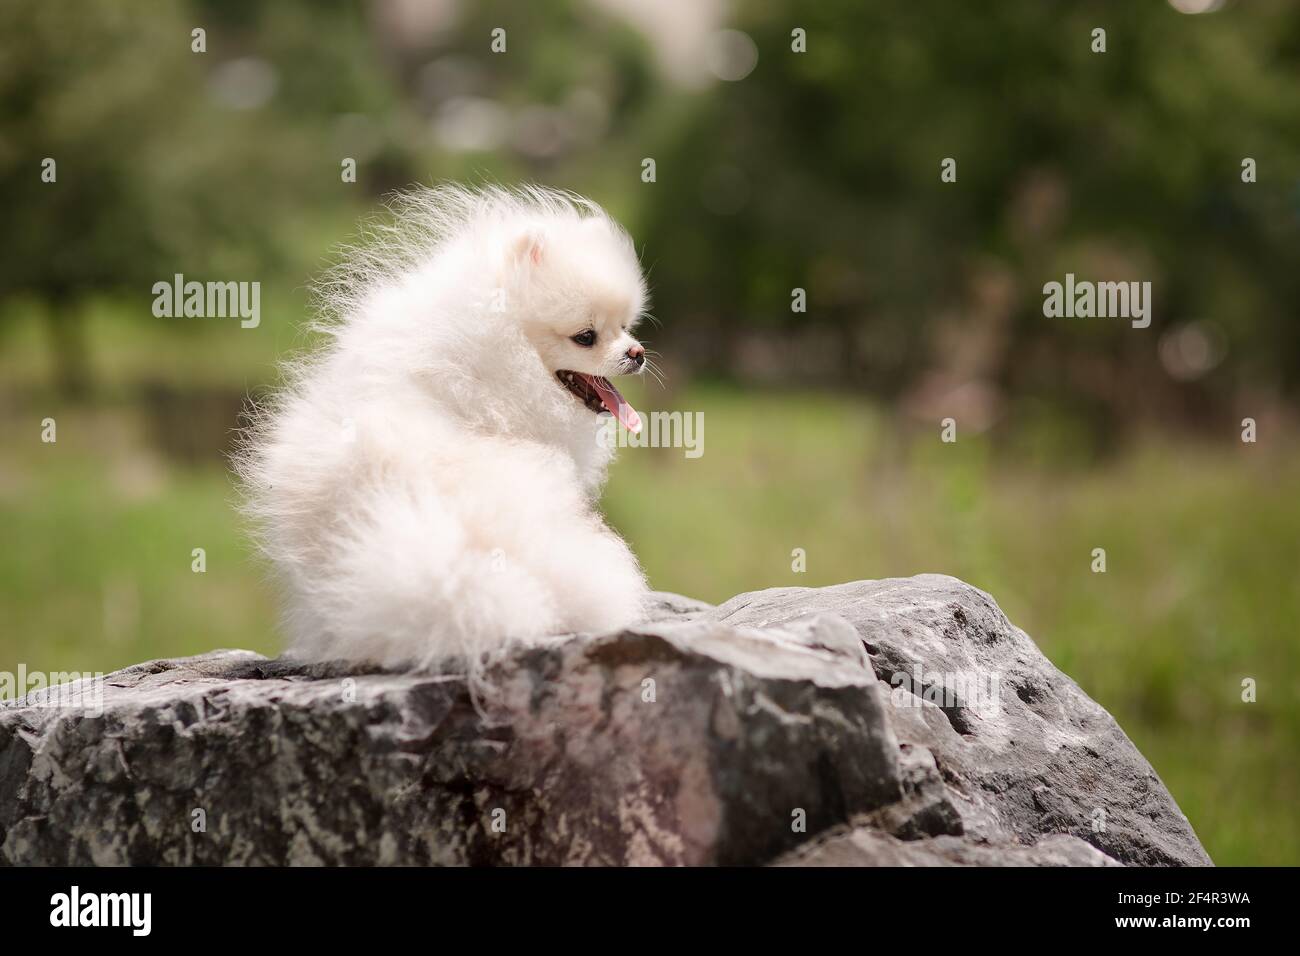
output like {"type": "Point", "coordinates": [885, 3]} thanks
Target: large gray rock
{"type": "Point", "coordinates": [769, 729]}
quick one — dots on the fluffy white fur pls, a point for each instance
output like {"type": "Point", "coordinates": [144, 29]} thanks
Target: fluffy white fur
{"type": "Point", "coordinates": [424, 485]}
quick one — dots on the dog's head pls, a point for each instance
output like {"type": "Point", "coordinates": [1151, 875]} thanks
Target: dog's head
{"type": "Point", "coordinates": [580, 292]}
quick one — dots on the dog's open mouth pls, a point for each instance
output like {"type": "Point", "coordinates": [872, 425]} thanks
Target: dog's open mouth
{"type": "Point", "coordinates": [599, 394]}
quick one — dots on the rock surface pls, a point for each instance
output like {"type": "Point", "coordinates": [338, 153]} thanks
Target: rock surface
{"type": "Point", "coordinates": [864, 846]}
{"type": "Point", "coordinates": [897, 722]}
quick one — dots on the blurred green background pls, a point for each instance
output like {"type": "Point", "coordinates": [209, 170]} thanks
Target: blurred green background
{"type": "Point", "coordinates": [775, 170]}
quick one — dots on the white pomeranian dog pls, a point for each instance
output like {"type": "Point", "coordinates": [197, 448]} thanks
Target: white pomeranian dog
{"type": "Point", "coordinates": [426, 484]}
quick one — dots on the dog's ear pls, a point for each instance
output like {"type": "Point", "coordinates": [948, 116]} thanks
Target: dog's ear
{"type": "Point", "coordinates": [528, 247]}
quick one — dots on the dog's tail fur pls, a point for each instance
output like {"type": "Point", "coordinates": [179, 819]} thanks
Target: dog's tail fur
{"type": "Point", "coordinates": [402, 578]}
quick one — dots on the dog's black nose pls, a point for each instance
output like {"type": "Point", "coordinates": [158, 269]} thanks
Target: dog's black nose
{"type": "Point", "coordinates": [637, 354]}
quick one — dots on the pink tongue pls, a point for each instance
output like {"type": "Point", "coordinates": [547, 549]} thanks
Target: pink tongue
{"type": "Point", "coordinates": [616, 403]}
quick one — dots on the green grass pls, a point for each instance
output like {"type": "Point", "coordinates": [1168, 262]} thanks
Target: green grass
{"type": "Point", "coordinates": [1201, 588]}
{"type": "Point", "coordinates": [97, 571]}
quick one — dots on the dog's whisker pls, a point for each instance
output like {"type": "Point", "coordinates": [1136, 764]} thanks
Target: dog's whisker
{"type": "Point", "coordinates": [654, 370]}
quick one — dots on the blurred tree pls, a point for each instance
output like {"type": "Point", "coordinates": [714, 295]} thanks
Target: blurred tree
{"type": "Point", "coordinates": [549, 92]}
{"type": "Point", "coordinates": [168, 160]}
{"type": "Point", "coordinates": [822, 170]}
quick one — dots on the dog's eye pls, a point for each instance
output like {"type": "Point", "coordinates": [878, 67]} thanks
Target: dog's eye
{"type": "Point", "coordinates": [586, 338]}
